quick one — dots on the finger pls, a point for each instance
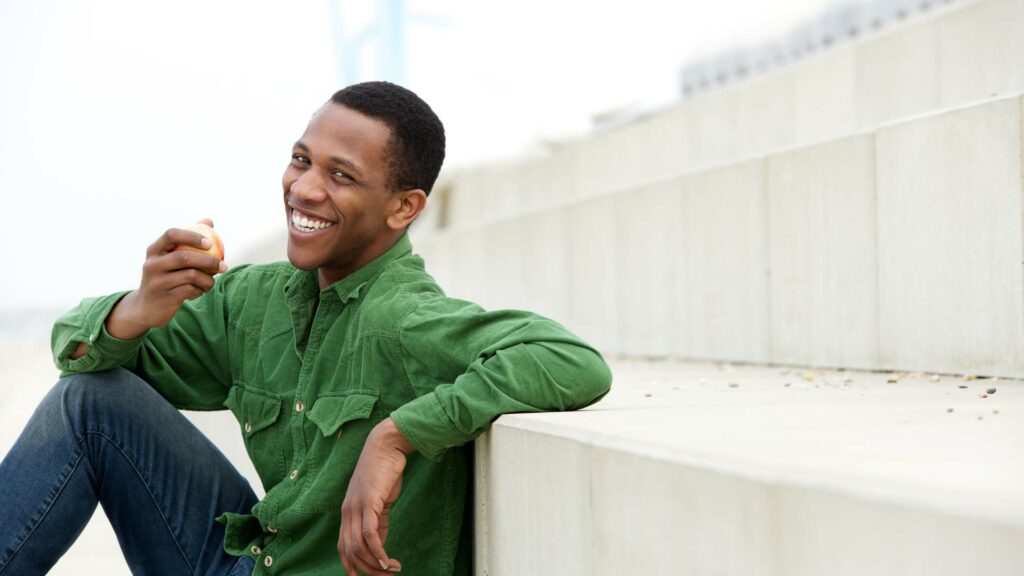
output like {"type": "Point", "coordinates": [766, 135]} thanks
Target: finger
{"type": "Point", "coordinates": [184, 259]}
{"type": "Point", "coordinates": [188, 276]}
{"type": "Point", "coordinates": [346, 563]}
{"type": "Point", "coordinates": [365, 560]}
{"type": "Point", "coordinates": [178, 237]}
{"type": "Point", "coordinates": [371, 537]}
{"type": "Point", "coordinates": [382, 525]}
{"type": "Point", "coordinates": [186, 292]}
{"type": "Point", "coordinates": [207, 221]}
{"type": "Point", "coordinates": [349, 568]}
{"type": "Point", "coordinates": [343, 544]}
{"type": "Point", "coordinates": [360, 554]}
{"type": "Point", "coordinates": [370, 568]}
{"type": "Point", "coordinates": [357, 547]}
{"type": "Point", "coordinates": [382, 529]}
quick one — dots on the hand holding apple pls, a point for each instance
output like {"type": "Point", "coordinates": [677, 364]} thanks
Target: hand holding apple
{"type": "Point", "coordinates": [216, 247]}
{"type": "Point", "coordinates": [179, 266]}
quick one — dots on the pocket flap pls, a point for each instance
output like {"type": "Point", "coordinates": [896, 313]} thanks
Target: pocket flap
{"type": "Point", "coordinates": [330, 412]}
{"type": "Point", "coordinates": [254, 410]}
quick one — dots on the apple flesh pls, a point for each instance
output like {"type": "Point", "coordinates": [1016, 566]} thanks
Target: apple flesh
{"type": "Point", "coordinates": [216, 250]}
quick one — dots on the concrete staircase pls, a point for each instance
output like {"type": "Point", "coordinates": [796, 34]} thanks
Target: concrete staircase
{"type": "Point", "coordinates": [695, 468]}
{"type": "Point", "coordinates": [858, 210]}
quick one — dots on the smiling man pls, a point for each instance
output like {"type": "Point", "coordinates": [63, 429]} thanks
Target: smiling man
{"type": "Point", "coordinates": [357, 384]}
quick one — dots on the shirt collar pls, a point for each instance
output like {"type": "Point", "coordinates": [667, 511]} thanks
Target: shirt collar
{"type": "Point", "coordinates": [304, 284]}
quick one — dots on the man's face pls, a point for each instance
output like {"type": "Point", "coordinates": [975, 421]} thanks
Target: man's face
{"type": "Point", "coordinates": [335, 194]}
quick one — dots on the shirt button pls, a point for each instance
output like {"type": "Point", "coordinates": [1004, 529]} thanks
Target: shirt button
{"type": "Point", "coordinates": [255, 550]}
{"type": "Point", "coordinates": [294, 474]}
{"type": "Point", "coordinates": [300, 406]}
{"type": "Point", "coordinates": [268, 561]}
{"type": "Point", "coordinates": [271, 528]}
{"type": "Point", "coordinates": [248, 427]}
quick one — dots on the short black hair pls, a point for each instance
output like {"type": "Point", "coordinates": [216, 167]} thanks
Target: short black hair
{"type": "Point", "coordinates": [416, 148]}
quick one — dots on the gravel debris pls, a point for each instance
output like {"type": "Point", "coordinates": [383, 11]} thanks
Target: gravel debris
{"type": "Point", "coordinates": [935, 378]}
{"type": "Point", "coordinates": [733, 385]}
{"type": "Point", "coordinates": [990, 391]}
{"type": "Point", "coordinates": [647, 395]}
{"type": "Point", "coordinates": [949, 409]}
{"type": "Point", "coordinates": [970, 377]}
{"type": "Point", "coordinates": [962, 386]}
{"type": "Point", "coordinates": [982, 395]}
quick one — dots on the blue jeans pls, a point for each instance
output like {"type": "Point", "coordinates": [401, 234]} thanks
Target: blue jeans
{"type": "Point", "coordinates": [109, 438]}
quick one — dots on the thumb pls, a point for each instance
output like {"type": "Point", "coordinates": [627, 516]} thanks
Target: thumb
{"type": "Point", "coordinates": [207, 221]}
{"type": "Point", "coordinates": [395, 491]}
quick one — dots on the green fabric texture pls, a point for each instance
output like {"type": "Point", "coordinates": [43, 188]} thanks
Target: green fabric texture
{"type": "Point", "coordinates": [308, 373]}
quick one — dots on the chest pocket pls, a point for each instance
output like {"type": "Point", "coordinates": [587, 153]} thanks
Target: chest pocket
{"type": "Point", "coordinates": [257, 411]}
{"type": "Point", "coordinates": [342, 425]}
{"type": "Point", "coordinates": [330, 413]}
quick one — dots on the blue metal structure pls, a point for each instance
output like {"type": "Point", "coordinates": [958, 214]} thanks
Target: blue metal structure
{"type": "Point", "coordinates": [386, 29]}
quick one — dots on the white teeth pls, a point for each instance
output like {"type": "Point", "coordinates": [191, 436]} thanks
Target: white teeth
{"type": "Point", "coordinates": [305, 224]}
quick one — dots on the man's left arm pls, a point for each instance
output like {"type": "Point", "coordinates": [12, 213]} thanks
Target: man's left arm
{"type": "Point", "coordinates": [467, 366]}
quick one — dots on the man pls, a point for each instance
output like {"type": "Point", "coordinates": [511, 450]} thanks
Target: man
{"type": "Point", "coordinates": [357, 384]}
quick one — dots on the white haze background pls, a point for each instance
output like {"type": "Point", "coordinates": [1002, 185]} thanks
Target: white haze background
{"type": "Point", "coordinates": [120, 118]}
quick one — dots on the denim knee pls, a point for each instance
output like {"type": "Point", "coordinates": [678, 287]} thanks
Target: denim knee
{"type": "Point", "coordinates": [115, 391]}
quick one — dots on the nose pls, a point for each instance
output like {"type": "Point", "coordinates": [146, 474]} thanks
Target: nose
{"type": "Point", "coordinates": [309, 186]}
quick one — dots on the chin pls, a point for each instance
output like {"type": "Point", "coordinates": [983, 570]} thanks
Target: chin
{"type": "Point", "coordinates": [300, 260]}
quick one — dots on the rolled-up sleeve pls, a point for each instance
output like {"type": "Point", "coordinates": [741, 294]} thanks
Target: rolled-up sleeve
{"type": "Point", "coordinates": [517, 362]}
{"type": "Point", "coordinates": [186, 360]}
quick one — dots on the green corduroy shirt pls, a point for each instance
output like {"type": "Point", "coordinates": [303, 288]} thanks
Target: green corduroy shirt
{"type": "Point", "coordinates": [309, 372]}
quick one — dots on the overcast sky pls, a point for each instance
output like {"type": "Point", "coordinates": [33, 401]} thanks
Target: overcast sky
{"type": "Point", "coordinates": [121, 118]}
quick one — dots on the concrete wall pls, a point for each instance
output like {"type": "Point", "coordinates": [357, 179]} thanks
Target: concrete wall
{"type": "Point", "coordinates": [897, 248]}
{"type": "Point", "coordinates": [787, 220]}
{"type": "Point", "coordinates": [962, 53]}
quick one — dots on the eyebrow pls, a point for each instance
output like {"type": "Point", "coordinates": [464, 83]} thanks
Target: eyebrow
{"type": "Point", "coordinates": [334, 159]}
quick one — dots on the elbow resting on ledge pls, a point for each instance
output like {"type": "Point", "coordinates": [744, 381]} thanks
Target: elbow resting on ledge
{"type": "Point", "coordinates": [581, 379]}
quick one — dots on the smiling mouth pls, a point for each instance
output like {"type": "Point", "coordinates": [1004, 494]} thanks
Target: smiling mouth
{"type": "Point", "coordinates": [307, 224]}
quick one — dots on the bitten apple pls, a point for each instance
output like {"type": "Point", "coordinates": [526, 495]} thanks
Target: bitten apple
{"type": "Point", "coordinates": [218, 247]}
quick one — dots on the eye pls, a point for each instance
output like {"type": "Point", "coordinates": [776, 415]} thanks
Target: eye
{"type": "Point", "coordinates": [300, 159]}
{"type": "Point", "coordinates": [340, 174]}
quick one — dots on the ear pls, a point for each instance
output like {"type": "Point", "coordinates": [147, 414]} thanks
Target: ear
{"type": "Point", "coordinates": [404, 207]}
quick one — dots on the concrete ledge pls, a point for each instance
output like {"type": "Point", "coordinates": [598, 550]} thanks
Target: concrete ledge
{"type": "Point", "coordinates": [705, 469]}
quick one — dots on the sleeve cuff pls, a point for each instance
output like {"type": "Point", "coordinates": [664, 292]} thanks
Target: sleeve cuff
{"type": "Point", "coordinates": [426, 426]}
{"type": "Point", "coordinates": [88, 325]}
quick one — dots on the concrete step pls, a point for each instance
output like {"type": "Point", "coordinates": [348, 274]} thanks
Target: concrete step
{"type": "Point", "coordinates": [690, 468]}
